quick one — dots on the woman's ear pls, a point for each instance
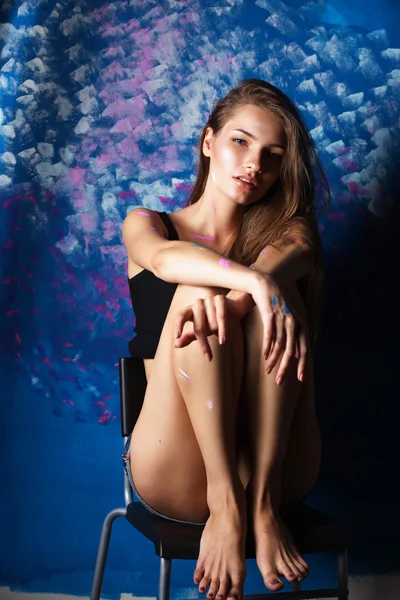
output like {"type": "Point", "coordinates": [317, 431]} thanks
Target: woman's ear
{"type": "Point", "coordinates": [207, 141]}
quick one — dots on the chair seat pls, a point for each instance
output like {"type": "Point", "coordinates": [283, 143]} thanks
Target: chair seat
{"type": "Point", "coordinates": [312, 531]}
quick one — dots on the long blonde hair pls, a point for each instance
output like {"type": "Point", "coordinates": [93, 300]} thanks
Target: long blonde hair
{"type": "Point", "coordinates": [299, 196]}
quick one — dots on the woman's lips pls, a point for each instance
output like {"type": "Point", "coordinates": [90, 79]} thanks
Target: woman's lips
{"type": "Point", "coordinates": [243, 185]}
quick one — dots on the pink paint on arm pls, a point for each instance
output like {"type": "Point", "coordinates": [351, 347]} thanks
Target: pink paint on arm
{"type": "Point", "coordinates": [265, 250]}
{"type": "Point", "coordinates": [142, 213]}
{"type": "Point", "coordinates": [224, 263]}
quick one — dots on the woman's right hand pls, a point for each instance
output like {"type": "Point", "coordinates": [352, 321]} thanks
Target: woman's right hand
{"type": "Point", "coordinates": [207, 316]}
{"type": "Point", "coordinates": [285, 332]}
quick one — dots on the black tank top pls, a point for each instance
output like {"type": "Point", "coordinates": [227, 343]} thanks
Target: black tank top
{"type": "Point", "coordinates": [151, 299]}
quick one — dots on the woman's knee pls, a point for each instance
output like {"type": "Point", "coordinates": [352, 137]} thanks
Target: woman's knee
{"type": "Point", "coordinates": [252, 324]}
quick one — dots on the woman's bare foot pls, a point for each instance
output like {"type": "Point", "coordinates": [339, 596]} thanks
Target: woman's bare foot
{"type": "Point", "coordinates": [221, 563]}
{"type": "Point", "coordinates": [276, 553]}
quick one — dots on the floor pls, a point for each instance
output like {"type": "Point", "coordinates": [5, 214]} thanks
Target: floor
{"type": "Point", "coordinates": [385, 587]}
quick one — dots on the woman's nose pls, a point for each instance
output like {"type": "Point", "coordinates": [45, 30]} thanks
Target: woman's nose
{"type": "Point", "coordinates": [254, 163]}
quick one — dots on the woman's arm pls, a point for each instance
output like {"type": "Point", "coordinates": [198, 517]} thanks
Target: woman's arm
{"type": "Point", "coordinates": [181, 262]}
{"type": "Point", "coordinates": [288, 260]}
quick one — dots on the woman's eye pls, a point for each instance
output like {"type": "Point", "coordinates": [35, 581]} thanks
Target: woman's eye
{"type": "Point", "coordinates": [239, 140]}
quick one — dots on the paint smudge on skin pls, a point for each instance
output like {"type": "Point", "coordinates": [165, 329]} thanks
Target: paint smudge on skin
{"type": "Point", "coordinates": [274, 300]}
{"type": "Point", "coordinates": [224, 263]}
{"type": "Point", "coordinates": [252, 267]}
{"type": "Point", "coordinates": [265, 250]}
{"type": "Point", "coordinates": [210, 404]}
{"type": "Point", "coordinates": [199, 246]}
{"type": "Point", "coordinates": [288, 240]}
{"type": "Point", "coordinates": [210, 238]}
{"type": "Point", "coordinates": [185, 375]}
{"type": "Point", "coordinates": [142, 213]}
{"type": "Point", "coordinates": [287, 309]}
{"type": "Point", "coordinates": [153, 228]}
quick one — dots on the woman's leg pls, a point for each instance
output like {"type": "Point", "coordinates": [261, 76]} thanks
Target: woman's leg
{"type": "Point", "coordinates": [283, 449]}
{"type": "Point", "coordinates": [183, 446]}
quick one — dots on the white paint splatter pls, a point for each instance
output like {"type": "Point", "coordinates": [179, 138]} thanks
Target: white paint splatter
{"type": "Point", "coordinates": [307, 85]}
{"type": "Point", "coordinates": [185, 375]}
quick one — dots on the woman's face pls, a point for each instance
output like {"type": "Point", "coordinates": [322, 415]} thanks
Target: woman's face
{"type": "Point", "coordinates": [252, 144]}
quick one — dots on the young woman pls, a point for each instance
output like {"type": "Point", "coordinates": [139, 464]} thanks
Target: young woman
{"type": "Point", "coordinates": [226, 294]}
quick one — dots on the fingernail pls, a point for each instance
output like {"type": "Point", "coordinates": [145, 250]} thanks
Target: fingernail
{"type": "Point", "coordinates": [301, 376]}
{"type": "Point", "coordinates": [221, 340]}
{"type": "Point", "coordinates": [274, 581]}
{"type": "Point", "coordinates": [201, 590]}
{"type": "Point", "coordinates": [208, 356]}
{"type": "Point", "coordinates": [268, 369]}
{"type": "Point", "coordinates": [177, 333]}
{"type": "Point", "coordinates": [279, 380]}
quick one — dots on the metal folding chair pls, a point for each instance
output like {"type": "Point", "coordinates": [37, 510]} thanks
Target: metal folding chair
{"type": "Point", "coordinates": [313, 531]}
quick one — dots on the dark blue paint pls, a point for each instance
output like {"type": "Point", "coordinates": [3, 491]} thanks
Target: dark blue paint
{"type": "Point", "coordinates": [61, 469]}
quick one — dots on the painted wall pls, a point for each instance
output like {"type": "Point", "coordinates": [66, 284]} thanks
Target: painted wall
{"type": "Point", "coordinates": [101, 106]}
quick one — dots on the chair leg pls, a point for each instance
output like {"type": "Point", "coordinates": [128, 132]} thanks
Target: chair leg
{"type": "Point", "coordinates": [165, 578]}
{"type": "Point", "coordinates": [343, 577]}
{"type": "Point", "coordinates": [102, 551]}
{"type": "Point", "coordinates": [296, 586]}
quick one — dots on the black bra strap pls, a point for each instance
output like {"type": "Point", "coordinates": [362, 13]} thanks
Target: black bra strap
{"type": "Point", "coordinates": [172, 233]}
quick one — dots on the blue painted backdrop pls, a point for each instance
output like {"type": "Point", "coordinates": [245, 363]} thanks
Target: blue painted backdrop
{"type": "Point", "coordinates": [101, 106]}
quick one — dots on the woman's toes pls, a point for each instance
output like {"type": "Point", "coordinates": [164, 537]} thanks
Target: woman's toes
{"type": "Point", "coordinates": [297, 567]}
{"type": "Point", "coordinates": [288, 574]}
{"type": "Point", "coordinates": [223, 589]}
{"type": "Point", "coordinates": [198, 575]}
{"type": "Point", "coordinates": [272, 581]}
{"type": "Point", "coordinates": [204, 583]}
{"type": "Point", "coordinates": [294, 570]}
{"type": "Point", "coordinates": [212, 592]}
{"type": "Point", "coordinates": [304, 568]}
{"type": "Point", "coordinates": [301, 572]}
{"type": "Point", "coordinates": [235, 593]}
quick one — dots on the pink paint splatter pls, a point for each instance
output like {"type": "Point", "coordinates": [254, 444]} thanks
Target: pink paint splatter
{"type": "Point", "coordinates": [204, 237]}
{"type": "Point", "coordinates": [105, 417]}
{"type": "Point", "coordinates": [127, 194]}
{"type": "Point", "coordinates": [98, 281]}
{"type": "Point", "coordinates": [142, 213]}
{"type": "Point", "coordinates": [224, 263]}
{"type": "Point", "coordinates": [265, 250]}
